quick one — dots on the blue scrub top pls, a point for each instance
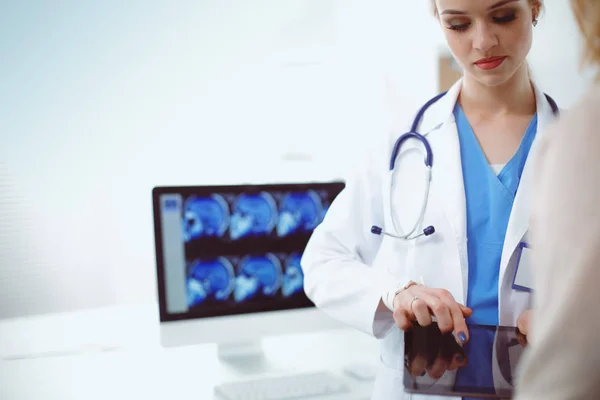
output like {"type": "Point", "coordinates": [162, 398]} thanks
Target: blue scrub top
{"type": "Point", "coordinates": [489, 199]}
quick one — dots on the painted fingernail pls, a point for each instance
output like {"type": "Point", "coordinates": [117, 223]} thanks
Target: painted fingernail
{"type": "Point", "coordinates": [462, 337]}
{"type": "Point", "coordinates": [460, 358]}
{"type": "Point", "coordinates": [423, 373]}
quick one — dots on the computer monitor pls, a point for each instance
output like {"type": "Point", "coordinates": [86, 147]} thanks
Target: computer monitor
{"type": "Point", "coordinates": [228, 263]}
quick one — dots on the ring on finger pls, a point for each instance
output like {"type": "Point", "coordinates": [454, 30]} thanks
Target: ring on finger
{"type": "Point", "coordinates": [415, 298]}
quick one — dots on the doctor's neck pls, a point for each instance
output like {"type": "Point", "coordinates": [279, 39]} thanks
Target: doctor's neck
{"type": "Point", "coordinates": [515, 96]}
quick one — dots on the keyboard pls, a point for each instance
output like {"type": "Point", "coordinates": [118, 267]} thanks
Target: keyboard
{"type": "Point", "coordinates": [301, 386]}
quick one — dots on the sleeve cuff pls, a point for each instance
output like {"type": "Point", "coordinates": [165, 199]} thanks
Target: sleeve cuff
{"type": "Point", "coordinates": [387, 297]}
{"type": "Point", "coordinates": [383, 324]}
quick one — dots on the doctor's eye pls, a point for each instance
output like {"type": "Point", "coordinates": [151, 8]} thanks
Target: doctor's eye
{"type": "Point", "coordinates": [458, 24]}
{"type": "Point", "coordinates": [505, 18]}
{"type": "Point", "coordinates": [461, 27]}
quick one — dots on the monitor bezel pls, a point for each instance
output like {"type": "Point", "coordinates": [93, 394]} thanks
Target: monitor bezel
{"type": "Point", "coordinates": [157, 191]}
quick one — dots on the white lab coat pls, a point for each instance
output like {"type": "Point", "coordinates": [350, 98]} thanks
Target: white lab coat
{"type": "Point", "coordinates": [347, 268]}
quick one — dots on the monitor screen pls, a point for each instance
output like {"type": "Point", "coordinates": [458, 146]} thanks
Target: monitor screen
{"type": "Point", "coordinates": [227, 250]}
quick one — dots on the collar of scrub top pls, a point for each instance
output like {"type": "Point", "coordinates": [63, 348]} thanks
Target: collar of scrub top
{"type": "Point", "coordinates": [440, 108]}
{"type": "Point", "coordinates": [413, 133]}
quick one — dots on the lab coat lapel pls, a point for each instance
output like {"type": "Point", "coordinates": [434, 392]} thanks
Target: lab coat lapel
{"type": "Point", "coordinates": [518, 223]}
{"type": "Point", "coordinates": [447, 177]}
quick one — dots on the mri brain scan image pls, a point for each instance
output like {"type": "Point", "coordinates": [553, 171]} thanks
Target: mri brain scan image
{"type": "Point", "coordinates": [299, 212]}
{"type": "Point", "coordinates": [205, 217]}
{"type": "Point", "coordinates": [293, 278]}
{"type": "Point", "coordinates": [253, 214]}
{"type": "Point", "coordinates": [212, 279]}
{"type": "Point", "coordinates": [257, 275]}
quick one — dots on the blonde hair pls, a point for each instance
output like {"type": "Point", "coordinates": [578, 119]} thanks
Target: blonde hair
{"type": "Point", "coordinates": [540, 2]}
{"type": "Point", "coordinates": [541, 6]}
{"type": "Point", "coordinates": [587, 14]}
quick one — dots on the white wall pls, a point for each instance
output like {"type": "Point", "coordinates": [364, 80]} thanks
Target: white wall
{"type": "Point", "coordinates": [556, 54]}
{"type": "Point", "coordinates": [101, 101]}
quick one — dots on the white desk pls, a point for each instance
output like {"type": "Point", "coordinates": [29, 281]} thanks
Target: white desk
{"type": "Point", "coordinates": [115, 353]}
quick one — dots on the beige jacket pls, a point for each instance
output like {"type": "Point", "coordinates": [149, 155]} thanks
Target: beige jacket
{"type": "Point", "coordinates": [563, 359]}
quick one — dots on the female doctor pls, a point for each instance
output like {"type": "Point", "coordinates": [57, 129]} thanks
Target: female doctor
{"type": "Point", "coordinates": [433, 224]}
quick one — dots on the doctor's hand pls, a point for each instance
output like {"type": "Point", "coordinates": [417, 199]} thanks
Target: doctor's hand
{"type": "Point", "coordinates": [420, 303]}
{"type": "Point", "coordinates": [431, 352]}
{"type": "Point", "coordinates": [523, 327]}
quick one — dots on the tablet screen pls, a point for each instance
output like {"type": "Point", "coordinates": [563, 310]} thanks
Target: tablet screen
{"type": "Point", "coordinates": [483, 367]}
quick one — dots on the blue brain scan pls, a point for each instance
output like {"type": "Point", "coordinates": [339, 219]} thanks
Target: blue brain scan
{"type": "Point", "coordinates": [298, 212]}
{"type": "Point", "coordinates": [253, 214]}
{"type": "Point", "coordinates": [257, 275]}
{"type": "Point", "coordinates": [210, 279]}
{"type": "Point", "coordinates": [205, 217]}
{"type": "Point", "coordinates": [293, 278]}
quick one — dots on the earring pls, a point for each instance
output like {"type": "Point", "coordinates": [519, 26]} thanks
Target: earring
{"type": "Point", "coordinates": [535, 22]}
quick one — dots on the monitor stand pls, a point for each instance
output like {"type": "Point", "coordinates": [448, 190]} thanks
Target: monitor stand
{"type": "Point", "coordinates": [245, 357]}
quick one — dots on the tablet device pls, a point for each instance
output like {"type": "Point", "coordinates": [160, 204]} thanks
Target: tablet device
{"type": "Point", "coordinates": [484, 367]}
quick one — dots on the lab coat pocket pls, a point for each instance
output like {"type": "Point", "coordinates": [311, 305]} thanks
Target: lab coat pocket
{"type": "Point", "coordinates": [389, 384]}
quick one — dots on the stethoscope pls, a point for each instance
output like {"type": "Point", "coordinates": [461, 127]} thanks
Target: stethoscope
{"type": "Point", "coordinates": [428, 164]}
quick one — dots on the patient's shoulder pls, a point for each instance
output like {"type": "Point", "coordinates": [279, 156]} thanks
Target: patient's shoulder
{"type": "Point", "coordinates": [579, 127]}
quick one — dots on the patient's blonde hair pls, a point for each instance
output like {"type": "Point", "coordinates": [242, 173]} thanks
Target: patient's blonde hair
{"type": "Point", "coordinates": [587, 14]}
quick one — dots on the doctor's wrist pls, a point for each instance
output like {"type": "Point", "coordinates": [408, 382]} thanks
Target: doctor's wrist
{"type": "Point", "coordinates": [389, 298]}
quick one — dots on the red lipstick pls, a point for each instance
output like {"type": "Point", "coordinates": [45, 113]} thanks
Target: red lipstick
{"type": "Point", "coordinates": [490, 63]}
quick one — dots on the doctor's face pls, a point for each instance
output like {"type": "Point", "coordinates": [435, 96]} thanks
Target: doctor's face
{"type": "Point", "coordinates": [490, 39]}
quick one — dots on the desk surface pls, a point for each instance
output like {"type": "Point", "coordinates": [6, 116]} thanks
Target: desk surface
{"type": "Point", "coordinates": [115, 353]}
